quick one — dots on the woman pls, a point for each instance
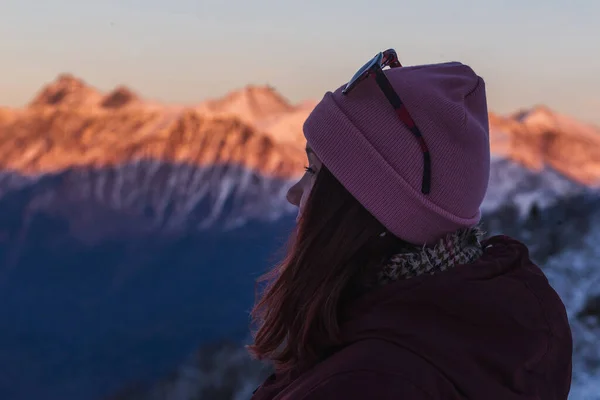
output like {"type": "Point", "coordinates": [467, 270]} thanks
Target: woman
{"type": "Point", "coordinates": [388, 291]}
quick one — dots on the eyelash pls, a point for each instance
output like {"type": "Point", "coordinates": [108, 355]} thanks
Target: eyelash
{"type": "Point", "coordinates": [309, 170]}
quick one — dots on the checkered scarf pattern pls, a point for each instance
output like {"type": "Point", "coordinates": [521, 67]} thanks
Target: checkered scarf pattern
{"type": "Point", "coordinates": [461, 247]}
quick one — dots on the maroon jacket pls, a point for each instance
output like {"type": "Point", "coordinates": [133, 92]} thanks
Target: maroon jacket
{"type": "Point", "coordinates": [490, 330]}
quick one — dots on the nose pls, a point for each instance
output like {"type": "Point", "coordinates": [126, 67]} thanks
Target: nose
{"type": "Point", "coordinates": [294, 195]}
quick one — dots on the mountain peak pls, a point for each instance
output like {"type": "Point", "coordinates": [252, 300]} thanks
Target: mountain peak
{"type": "Point", "coordinates": [540, 137]}
{"type": "Point", "coordinates": [541, 119]}
{"type": "Point", "coordinates": [259, 90]}
{"type": "Point", "coordinates": [250, 103]}
{"type": "Point", "coordinates": [119, 97]}
{"type": "Point", "coordinates": [540, 113]}
{"type": "Point", "coordinates": [68, 90]}
{"type": "Point", "coordinates": [67, 78]}
{"type": "Point", "coordinates": [265, 96]}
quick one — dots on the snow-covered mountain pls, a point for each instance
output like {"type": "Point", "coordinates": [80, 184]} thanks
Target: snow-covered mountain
{"type": "Point", "coordinates": [512, 183]}
{"type": "Point", "coordinates": [251, 104]}
{"type": "Point", "coordinates": [540, 138]}
{"type": "Point", "coordinates": [164, 168]}
{"type": "Point", "coordinates": [71, 126]}
{"type": "Point", "coordinates": [131, 232]}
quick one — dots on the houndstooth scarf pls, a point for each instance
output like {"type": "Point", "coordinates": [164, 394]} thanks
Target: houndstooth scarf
{"type": "Point", "coordinates": [461, 247]}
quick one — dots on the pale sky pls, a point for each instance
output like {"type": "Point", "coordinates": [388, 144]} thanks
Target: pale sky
{"type": "Point", "coordinates": [529, 52]}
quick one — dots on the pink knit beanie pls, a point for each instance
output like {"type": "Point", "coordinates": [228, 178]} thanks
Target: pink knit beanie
{"type": "Point", "coordinates": [361, 140]}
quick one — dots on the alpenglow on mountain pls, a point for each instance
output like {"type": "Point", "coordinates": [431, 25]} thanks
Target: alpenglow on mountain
{"type": "Point", "coordinates": [228, 159]}
{"type": "Point", "coordinates": [70, 124]}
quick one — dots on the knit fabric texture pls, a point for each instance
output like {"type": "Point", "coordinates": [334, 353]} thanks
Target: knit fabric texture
{"type": "Point", "coordinates": [458, 248]}
{"type": "Point", "coordinates": [361, 140]}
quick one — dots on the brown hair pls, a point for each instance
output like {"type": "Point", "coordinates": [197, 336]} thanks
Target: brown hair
{"type": "Point", "coordinates": [336, 244]}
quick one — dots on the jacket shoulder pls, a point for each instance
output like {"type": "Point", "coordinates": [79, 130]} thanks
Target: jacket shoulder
{"type": "Point", "coordinates": [376, 368]}
{"type": "Point", "coordinates": [367, 384]}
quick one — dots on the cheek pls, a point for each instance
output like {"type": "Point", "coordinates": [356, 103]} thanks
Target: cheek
{"type": "Point", "coordinates": [306, 188]}
{"type": "Point", "coordinates": [298, 193]}
{"type": "Point", "coordinates": [303, 200]}
{"type": "Point", "coordinates": [294, 194]}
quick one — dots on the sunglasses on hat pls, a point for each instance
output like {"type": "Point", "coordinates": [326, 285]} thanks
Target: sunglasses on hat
{"type": "Point", "coordinates": [374, 68]}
